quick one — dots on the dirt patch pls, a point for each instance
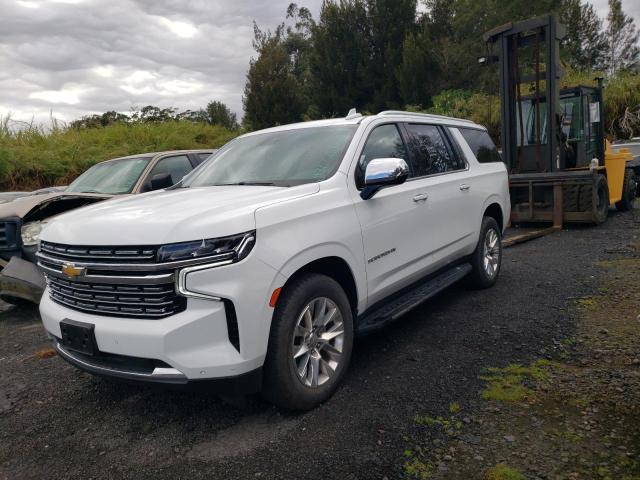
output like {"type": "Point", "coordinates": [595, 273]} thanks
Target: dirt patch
{"type": "Point", "coordinates": [576, 417]}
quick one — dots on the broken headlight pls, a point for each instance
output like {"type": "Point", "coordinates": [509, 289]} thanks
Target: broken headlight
{"type": "Point", "coordinates": [31, 233]}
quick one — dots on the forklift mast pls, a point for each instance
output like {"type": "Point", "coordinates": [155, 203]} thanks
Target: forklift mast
{"type": "Point", "coordinates": [530, 55]}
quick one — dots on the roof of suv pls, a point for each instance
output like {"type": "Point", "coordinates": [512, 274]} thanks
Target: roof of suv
{"type": "Point", "coordinates": [354, 119]}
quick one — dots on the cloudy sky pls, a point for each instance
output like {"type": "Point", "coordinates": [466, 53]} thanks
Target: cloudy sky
{"type": "Point", "coordinates": [75, 57]}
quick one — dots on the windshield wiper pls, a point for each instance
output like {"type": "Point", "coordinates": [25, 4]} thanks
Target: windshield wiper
{"type": "Point", "coordinates": [264, 184]}
{"type": "Point", "coordinates": [90, 191]}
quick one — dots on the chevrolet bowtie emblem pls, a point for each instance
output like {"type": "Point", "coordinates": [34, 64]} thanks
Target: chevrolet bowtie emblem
{"type": "Point", "coordinates": [71, 271]}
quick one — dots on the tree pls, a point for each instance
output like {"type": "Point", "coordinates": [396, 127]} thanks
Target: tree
{"type": "Point", "coordinates": [217, 113]}
{"type": "Point", "coordinates": [585, 44]}
{"type": "Point", "coordinates": [340, 58]}
{"type": "Point", "coordinates": [419, 72]}
{"type": "Point", "coordinates": [390, 22]}
{"type": "Point", "coordinates": [101, 120]}
{"type": "Point", "coordinates": [273, 94]}
{"type": "Point", "coordinates": [622, 39]}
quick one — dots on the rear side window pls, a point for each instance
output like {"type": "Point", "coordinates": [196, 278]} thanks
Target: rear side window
{"type": "Point", "coordinates": [481, 145]}
{"type": "Point", "coordinates": [431, 151]}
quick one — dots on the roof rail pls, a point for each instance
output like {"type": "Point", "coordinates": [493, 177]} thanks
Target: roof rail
{"type": "Point", "coordinates": [422, 115]}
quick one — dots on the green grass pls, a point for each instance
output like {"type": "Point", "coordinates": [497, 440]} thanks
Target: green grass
{"type": "Point", "coordinates": [503, 472]}
{"type": "Point", "coordinates": [35, 157]}
{"type": "Point", "coordinates": [513, 382]}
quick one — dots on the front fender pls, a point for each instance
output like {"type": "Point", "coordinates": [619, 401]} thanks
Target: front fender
{"type": "Point", "coordinates": [326, 250]}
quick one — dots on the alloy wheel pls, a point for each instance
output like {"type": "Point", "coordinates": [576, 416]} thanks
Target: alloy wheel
{"type": "Point", "coordinates": [317, 343]}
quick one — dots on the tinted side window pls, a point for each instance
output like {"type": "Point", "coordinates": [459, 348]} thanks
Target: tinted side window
{"type": "Point", "coordinates": [177, 167]}
{"type": "Point", "coordinates": [383, 142]}
{"type": "Point", "coordinates": [431, 151]}
{"type": "Point", "coordinates": [202, 157]}
{"type": "Point", "coordinates": [481, 144]}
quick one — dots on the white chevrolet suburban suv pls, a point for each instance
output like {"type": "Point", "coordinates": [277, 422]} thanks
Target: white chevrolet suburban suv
{"type": "Point", "coordinates": [259, 268]}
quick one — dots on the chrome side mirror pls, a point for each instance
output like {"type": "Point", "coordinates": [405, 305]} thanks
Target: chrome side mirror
{"type": "Point", "coordinates": [382, 172]}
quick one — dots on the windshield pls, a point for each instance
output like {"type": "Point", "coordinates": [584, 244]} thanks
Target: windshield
{"type": "Point", "coordinates": [290, 157]}
{"type": "Point", "coordinates": [114, 177]}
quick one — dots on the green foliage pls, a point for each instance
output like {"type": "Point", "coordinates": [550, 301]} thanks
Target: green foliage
{"type": "Point", "coordinates": [416, 468]}
{"type": "Point", "coordinates": [480, 107]}
{"type": "Point", "coordinates": [454, 407]}
{"type": "Point", "coordinates": [621, 101]}
{"type": "Point", "coordinates": [339, 59]}
{"type": "Point", "coordinates": [585, 45]}
{"type": "Point", "coordinates": [274, 92]}
{"type": "Point", "coordinates": [503, 472]}
{"type": "Point", "coordinates": [34, 157]}
{"type": "Point", "coordinates": [217, 113]}
{"type": "Point", "coordinates": [514, 382]}
{"type": "Point", "coordinates": [622, 38]}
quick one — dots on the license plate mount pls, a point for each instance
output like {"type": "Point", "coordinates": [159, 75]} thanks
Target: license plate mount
{"type": "Point", "coordinates": [78, 336]}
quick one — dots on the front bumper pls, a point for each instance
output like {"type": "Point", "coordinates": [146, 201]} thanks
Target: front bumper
{"type": "Point", "coordinates": [21, 279]}
{"type": "Point", "coordinates": [117, 367]}
{"type": "Point", "coordinates": [196, 342]}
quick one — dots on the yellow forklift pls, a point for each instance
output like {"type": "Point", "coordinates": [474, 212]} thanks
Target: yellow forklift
{"type": "Point", "coordinates": [561, 167]}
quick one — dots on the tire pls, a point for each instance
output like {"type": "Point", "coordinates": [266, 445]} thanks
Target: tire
{"type": "Point", "coordinates": [482, 276]}
{"type": "Point", "coordinates": [290, 333]}
{"type": "Point", "coordinates": [629, 187]}
{"type": "Point", "coordinates": [571, 197]}
{"type": "Point", "coordinates": [600, 200]}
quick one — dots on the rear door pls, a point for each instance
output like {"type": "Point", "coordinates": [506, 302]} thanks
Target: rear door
{"type": "Point", "coordinates": [450, 215]}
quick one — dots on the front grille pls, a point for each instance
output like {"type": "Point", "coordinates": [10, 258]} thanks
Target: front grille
{"type": "Point", "coordinates": [134, 254]}
{"type": "Point", "coordinates": [111, 281]}
{"type": "Point", "coordinates": [8, 235]}
{"type": "Point", "coordinates": [139, 300]}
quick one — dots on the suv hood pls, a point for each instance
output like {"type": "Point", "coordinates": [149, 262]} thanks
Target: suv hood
{"type": "Point", "coordinates": [169, 216]}
{"type": "Point", "coordinates": [45, 205]}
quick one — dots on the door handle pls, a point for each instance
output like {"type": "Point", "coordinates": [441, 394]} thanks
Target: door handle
{"type": "Point", "coordinates": [464, 187]}
{"type": "Point", "coordinates": [421, 197]}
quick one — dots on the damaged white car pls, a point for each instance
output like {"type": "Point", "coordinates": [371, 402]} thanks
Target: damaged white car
{"type": "Point", "coordinates": [22, 219]}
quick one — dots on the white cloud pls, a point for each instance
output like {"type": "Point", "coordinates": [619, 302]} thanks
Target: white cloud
{"type": "Point", "coordinates": [68, 96]}
{"type": "Point", "coordinates": [181, 29]}
{"type": "Point", "coordinates": [27, 4]}
{"type": "Point", "coordinates": [105, 71]}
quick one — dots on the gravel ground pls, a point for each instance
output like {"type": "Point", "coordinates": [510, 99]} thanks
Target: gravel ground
{"type": "Point", "coordinates": [58, 422]}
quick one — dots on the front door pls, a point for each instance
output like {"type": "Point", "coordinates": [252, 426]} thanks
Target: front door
{"type": "Point", "coordinates": [393, 220]}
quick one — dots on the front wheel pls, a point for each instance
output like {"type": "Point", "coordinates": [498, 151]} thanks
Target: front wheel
{"type": "Point", "coordinates": [487, 257]}
{"type": "Point", "coordinates": [310, 343]}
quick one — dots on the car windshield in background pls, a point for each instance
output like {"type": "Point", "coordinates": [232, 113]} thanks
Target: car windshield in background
{"type": "Point", "coordinates": [286, 158]}
{"type": "Point", "coordinates": [112, 178]}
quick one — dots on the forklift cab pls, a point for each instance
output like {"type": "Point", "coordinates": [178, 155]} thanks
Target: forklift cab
{"type": "Point", "coordinates": [578, 130]}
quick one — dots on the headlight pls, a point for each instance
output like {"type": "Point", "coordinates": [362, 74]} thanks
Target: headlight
{"type": "Point", "coordinates": [233, 247]}
{"type": "Point", "coordinates": [31, 233]}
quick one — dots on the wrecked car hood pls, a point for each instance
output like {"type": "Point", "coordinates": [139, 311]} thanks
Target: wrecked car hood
{"type": "Point", "coordinates": [39, 207]}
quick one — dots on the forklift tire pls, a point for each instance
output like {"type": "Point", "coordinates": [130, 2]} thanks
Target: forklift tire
{"type": "Point", "coordinates": [628, 191]}
{"type": "Point", "coordinates": [570, 198]}
{"type": "Point", "coordinates": [600, 200]}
